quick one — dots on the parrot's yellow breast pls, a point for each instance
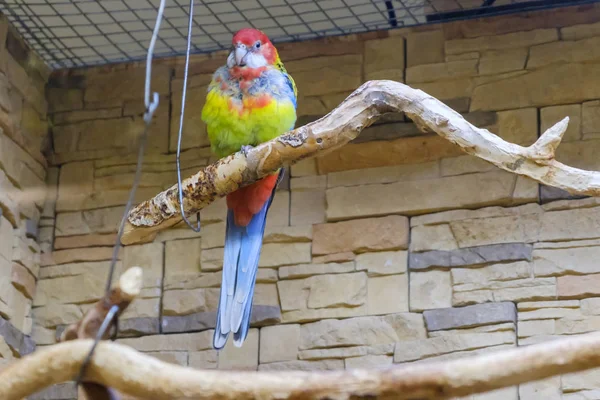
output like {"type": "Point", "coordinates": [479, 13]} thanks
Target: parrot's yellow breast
{"type": "Point", "coordinates": [240, 113]}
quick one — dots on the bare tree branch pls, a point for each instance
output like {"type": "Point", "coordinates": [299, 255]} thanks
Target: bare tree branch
{"type": "Point", "coordinates": [122, 294]}
{"type": "Point", "coordinates": [136, 374]}
{"type": "Point", "coordinates": [343, 124]}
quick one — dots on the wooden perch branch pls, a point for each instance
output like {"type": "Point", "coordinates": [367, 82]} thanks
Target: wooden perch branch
{"type": "Point", "coordinates": [343, 124]}
{"type": "Point", "coordinates": [143, 376]}
{"type": "Point", "coordinates": [121, 295]}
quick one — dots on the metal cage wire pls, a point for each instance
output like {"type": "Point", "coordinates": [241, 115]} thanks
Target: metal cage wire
{"type": "Point", "coordinates": [78, 33]}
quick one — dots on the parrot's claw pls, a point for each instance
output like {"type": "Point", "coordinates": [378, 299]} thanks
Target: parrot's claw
{"type": "Point", "coordinates": [246, 148]}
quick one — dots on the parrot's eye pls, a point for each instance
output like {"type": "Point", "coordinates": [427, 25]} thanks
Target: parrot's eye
{"type": "Point", "coordinates": [257, 45]}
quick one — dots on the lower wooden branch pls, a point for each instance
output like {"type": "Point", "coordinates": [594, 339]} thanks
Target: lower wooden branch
{"type": "Point", "coordinates": [136, 374]}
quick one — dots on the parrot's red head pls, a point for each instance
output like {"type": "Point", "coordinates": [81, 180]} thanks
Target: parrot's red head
{"type": "Point", "coordinates": [251, 49]}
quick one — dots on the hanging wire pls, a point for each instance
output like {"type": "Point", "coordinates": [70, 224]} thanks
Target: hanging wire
{"type": "Point", "coordinates": [151, 107]}
{"type": "Point", "coordinates": [185, 79]}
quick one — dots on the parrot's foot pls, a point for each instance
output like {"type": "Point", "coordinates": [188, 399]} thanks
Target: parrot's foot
{"type": "Point", "coordinates": [246, 148]}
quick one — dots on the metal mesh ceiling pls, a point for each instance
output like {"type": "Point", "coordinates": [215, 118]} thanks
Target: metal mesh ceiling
{"type": "Point", "coordinates": [75, 33]}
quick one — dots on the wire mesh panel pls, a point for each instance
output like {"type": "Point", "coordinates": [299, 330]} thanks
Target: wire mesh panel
{"type": "Point", "coordinates": [73, 33]}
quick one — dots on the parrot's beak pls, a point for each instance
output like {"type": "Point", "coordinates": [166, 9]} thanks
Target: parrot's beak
{"type": "Point", "coordinates": [240, 56]}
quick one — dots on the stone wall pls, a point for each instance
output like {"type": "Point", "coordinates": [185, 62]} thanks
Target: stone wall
{"type": "Point", "coordinates": [398, 248]}
{"type": "Point", "coordinates": [23, 170]}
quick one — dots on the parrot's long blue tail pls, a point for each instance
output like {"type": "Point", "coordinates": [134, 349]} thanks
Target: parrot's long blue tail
{"type": "Point", "coordinates": [240, 265]}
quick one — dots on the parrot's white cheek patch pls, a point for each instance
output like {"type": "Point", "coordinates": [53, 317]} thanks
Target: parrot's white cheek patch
{"type": "Point", "coordinates": [254, 60]}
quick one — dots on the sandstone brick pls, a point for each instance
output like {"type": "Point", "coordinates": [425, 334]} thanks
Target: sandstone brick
{"type": "Point", "coordinates": [288, 234]}
{"type": "Point", "coordinates": [496, 62]}
{"type": "Point", "coordinates": [183, 302]}
{"type": "Point", "coordinates": [276, 254]}
{"type": "Point", "coordinates": [306, 270]}
{"type": "Point", "coordinates": [390, 174]}
{"type": "Point", "coordinates": [581, 381]}
{"type": "Point", "coordinates": [551, 115]}
{"type": "Point", "coordinates": [279, 343]}
{"type": "Point", "coordinates": [105, 220]}
{"type": "Point", "coordinates": [464, 165]}
{"type": "Point", "coordinates": [382, 263]}
{"type": "Point", "coordinates": [578, 286]}
{"type": "Point", "coordinates": [529, 289]}
{"type": "Point", "coordinates": [387, 294]}
{"type": "Point", "coordinates": [531, 89]}
{"type": "Point", "coordinates": [480, 277]}
{"type": "Point", "coordinates": [441, 71]}
{"type": "Point", "coordinates": [174, 342]}
{"type": "Point", "coordinates": [142, 308]}
{"type": "Point", "coordinates": [470, 256]}
{"type": "Point", "coordinates": [333, 290]}
{"type": "Point", "coordinates": [362, 331]}
{"type": "Point", "coordinates": [566, 326]}
{"type": "Point", "coordinates": [64, 99]}
{"type": "Point", "coordinates": [336, 257]}
{"type": "Point", "coordinates": [379, 58]}
{"type": "Point", "coordinates": [418, 197]}
{"type": "Point", "coordinates": [387, 153]}
{"type": "Point", "coordinates": [6, 239]}
{"type": "Point", "coordinates": [361, 235]}
{"type": "Point", "coordinates": [79, 241]}
{"type": "Point", "coordinates": [346, 352]}
{"type": "Point", "coordinates": [203, 359]}
{"type": "Point", "coordinates": [429, 290]}
{"type": "Point", "coordinates": [123, 84]}
{"type": "Point", "coordinates": [304, 167]}
{"type": "Point", "coordinates": [307, 207]}
{"type": "Point", "coordinates": [23, 280]}
{"type": "Point", "coordinates": [76, 255]}
{"type": "Point", "coordinates": [302, 365]}
{"type": "Point", "coordinates": [550, 313]}
{"type": "Point", "coordinates": [425, 47]}
{"type": "Point", "coordinates": [577, 32]}
{"type": "Point", "coordinates": [418, 349]}
{"type": "Point", "coordinates": [279, 213]}
{"type": "Point", "coordinates": [368, 361]}
{"type": "Point", "coordinates": [505, 327]}
{"type": "Point", "coordinates": [27, 253]}
{"type": "Point", "coordinates": [470, 316]}
{"type": "Point", "coordinates": [244, 358]}
{"type": "Point", "coordinates": [182, 259]}
{"type": "Point", "coordinates": [564, 52]}
{"type": "Point", "coordinates": [536, 305]}
{"type": "Point", "coordinates": [432, 237]}
{"type": "Point", "coordinates": [448, 89]}
{"type": "Point", "coordinates": [532, 328]}
{"type": "Point", "coordinates": [518, 126]}
{"type": "Point", "coordinates": [150, 258]}
{"type": "Point", "coordinates": [43, 336]}
{"type": "Point", "coordinates": [498, 42]}
{"type": "Point", "coordinates": [53, 315]}
{"type": "Point", "coordinates": [340, 72]}
{"type": "Point", "coordinates": [76, 183]}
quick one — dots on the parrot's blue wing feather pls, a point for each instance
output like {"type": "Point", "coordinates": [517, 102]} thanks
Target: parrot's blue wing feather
{"type": "Point", "coordinates": [233, 243]}
{"type": "Point", "coordinates": [242, 253]}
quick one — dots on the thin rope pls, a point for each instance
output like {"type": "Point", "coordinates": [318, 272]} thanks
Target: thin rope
{"type": "Point", "coordinates": [185, 79]}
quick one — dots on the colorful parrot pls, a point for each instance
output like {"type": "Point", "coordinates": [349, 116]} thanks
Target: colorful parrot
{"type": "Point", "coordinates": [250, 100]}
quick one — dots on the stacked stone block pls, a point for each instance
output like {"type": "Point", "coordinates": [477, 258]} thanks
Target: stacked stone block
{"type": "Point", "coordinates": [23, 171]}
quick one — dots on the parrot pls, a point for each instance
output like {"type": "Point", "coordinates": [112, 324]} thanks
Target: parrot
{"type": "Point", "coordinates": [250, 100]}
